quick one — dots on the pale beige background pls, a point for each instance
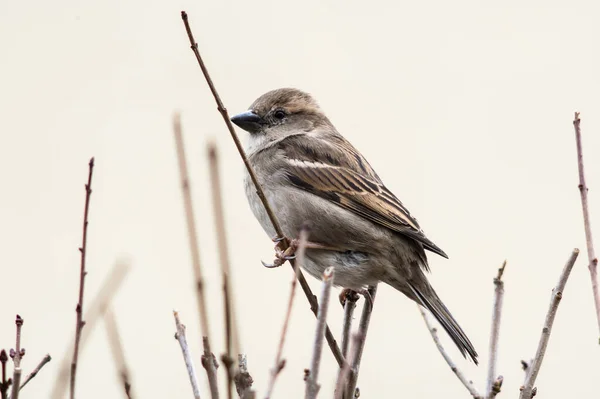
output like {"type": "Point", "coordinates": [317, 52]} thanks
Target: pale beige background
{"type": "Point", "coordinates": [463, 107]}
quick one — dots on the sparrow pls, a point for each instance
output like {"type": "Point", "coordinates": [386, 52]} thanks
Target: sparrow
{"type": "Point", "coordinates": [310, 173]}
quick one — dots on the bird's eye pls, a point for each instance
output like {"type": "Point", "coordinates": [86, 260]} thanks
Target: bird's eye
{"type": "Point", "coordinates": [279, 114]}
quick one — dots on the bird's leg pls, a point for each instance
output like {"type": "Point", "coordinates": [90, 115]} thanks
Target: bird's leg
{"type": "Point", "coordinates": [281, 255]}
{"type": "Point", "coordinates": [349, 294]}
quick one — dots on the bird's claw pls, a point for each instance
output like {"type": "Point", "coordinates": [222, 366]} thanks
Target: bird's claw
{"type": "Point", "coordinates": [348, 294]}
{"type": "Point", "coordinates": [282, 256]}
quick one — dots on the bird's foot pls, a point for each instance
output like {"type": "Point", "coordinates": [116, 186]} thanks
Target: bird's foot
{"type": "Point", "coordinates": [348, 294]}
{"type": "Point", "coordinates": [282, 255]}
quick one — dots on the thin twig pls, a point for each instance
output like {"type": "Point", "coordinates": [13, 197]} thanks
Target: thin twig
{"type": "Point", "coordinates": [349, 306]}
{"type": "Point", "coordinates": [459, 373]}
{"type": "Point", "coordinates": [344, 373]}
{"type": "Point", "coordinates": [312, 380]}
{"type": "Point", "coordinates": [589, 242]}
{"type": "Point", "coordinates": [243, 380]}
{"type": "Point", "coordinates": [118, 352]}
{"type": "Point", "coordinates": [210, 364]}
{"type": "Point", "coordinates": [16, 355]}
{"type": "Point", "coordinates": [557, 293]}
{"type": "Point", "coordinates": [314, 306]}
{"type": "Point", "coordinates": [279, 362]}
{"type": "Point", "coordinates": [193, 242]}
{"type": "Point", "coordinates": [187, 356]}
{"type": "Point", "coordinates": [82, 274]}
{"type": "Point", "coordinates": [4, 384]}
{"type": "Point", "coordinates": [232, 344]}
{"type": "Point", "coordinates": [363, 328]}
{"type": "Point", "coordinates": [36, 370]}
{"type": "Point", "coordinates": [492, 380]}
{"type": "Point", "coordinates": [107, 291]}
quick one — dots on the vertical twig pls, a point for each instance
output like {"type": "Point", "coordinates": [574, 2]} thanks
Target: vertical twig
{"type": "Point", "coordinates": [349, 306]}
{"type": "Point", "coordinates": [459, 373]}
{"type": "Point", "coordinates": [17, 354]}
{"type": "Point", "coordinates": [194, 250]}
{"type": "Point", "coordinates": [187, 356]}
{"type": "Point", "coordinates": [4, 384]}
{"type": "Point", "coordinates": [82, 273]}
{"type": "Point", "coordinates": [363, 327]}
{"type": "Point", "coordinates": [312, 380]}
{"type": "Point", "coordinates": [583, 191]}
{"type": "Point", "coordinates": [232, 344]}
{"type": "Point", "coordinates": [344, 373]}
{"type": "Point", "coordinates": [36, 370]}
{"type": "Point", "coordinates": [118, 352]}
{"type": "Point", "coordinates": [210, 364]}
{"type": "Point", "coordinates": [492, 381]}
{"type": "Point", "coordinates": [557, 293]}
{"type": "Point", "coordinates": [314, 306]}
{"type": "Point", "coordinates": [243, 379]}
{"type": "Point", "coordinates": [279, 362]}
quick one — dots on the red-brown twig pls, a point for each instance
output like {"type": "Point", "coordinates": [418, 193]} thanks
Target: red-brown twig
{"type": "Point", "coordinates": [493, 386]}
{"type": "Point", "coordinates": [363, 327]}
{"type": "Point", "coordinates": [312, 379]}
{"type": "Point", "coordinates": [459, 373]}
{"type": "Point", "coordinates": [82, 274]}
{"type": "Point", "coordinates": [279, 362]}
{"type": "Point", "coordinates": [314, 306]}
{"type": "Point", "coordinates": [583, 191]}
{"type": "Point", "coordinates": [36, 370]}
{"type": "Point", "coordinates": [194, 250]}
{"type": "Point", "coordinates": [187, 356]}
{"type": "Point", "coordinates": [232, 344]}
{"type": "Point", "coordinates": [118, 351]}
{"type": "Point", "coordinates": [4, 384]}
{"type": "Point", "coordinates": [527, 391]}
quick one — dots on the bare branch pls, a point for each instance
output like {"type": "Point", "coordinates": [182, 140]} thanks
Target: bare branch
{"type": "Point", "coordinates": [36, 370]}
{"type": "Point", "coordinates": [589, 242]}
{"type": "Point", "coordinates": [314, 306]}
{"type": "Point", "coordinates": [279, 362]}
{"type": "Point", "coordinates": [109, 288]}
{"type": "Point", "coordinates": [16, 355]}
{"type": "Point", "coordinates": [187, 356]}
{"type": "Point", "coordinates": [461, 376]}
{"type": "Point", "coordinates": [243, 379]}
{"type": "Point", "coordinates": [312, 385]}
{"type": "Point", "coordinates": [557, 293]}
{"type": "Point", "coordinates": [193, 242]}
{"type": "Point", "coordinates": [493, 387]}
{"type": "Point", "coordinates": [344, 372]}
{"type": "Point", "coordinates": [363, 327]}
{"type": "Point", "coordinates": [4, 384]}
{"type": "Point", "coordinates": [232, 343]}
{"type": "Point", "coordinates": [118, 352]}
{"type": "Point", "coordinates": [82, 273]}
{"type": "Point", "coordinates": [351, 297]}
{"type": "Point", "coordinates": [210, 364]}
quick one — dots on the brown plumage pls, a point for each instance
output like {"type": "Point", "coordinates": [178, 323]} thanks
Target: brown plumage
{"type": "Point", "coordinates": [311, 173]}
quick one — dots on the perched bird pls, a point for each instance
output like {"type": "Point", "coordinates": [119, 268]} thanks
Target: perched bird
{"type": "Point", "coordinates": [311, 173]}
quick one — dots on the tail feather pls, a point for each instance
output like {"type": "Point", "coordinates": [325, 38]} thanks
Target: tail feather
{"type": "Point", "coordinates": [434, 304]}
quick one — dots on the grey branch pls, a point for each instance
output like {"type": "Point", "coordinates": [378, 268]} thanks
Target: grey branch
{"type": "Point", "coordinates": [187, 356]}
{"type": "Point", "coordinates": [345, 370]}
{"type": "Point", "coordinates": [589, 242]}
{"type": "Point", "coordinates": [312, 380]}
{"type": "Point", "coordinates": [349, 306]}
{"type": "Point", "coordinates": [243, 380]}
{"type": "Point", "coordinates": [36, 370]}
{"type": "Point", "coordinates": [459, 373]}
{"type": "Point", "coordinates": [193, 242]}
{"type": "Point", "coordinates": [493, 387]}
{"type": "Point", "coordinates": [536, 363]}
{"type": "Point", "coordinates": [209, 362]}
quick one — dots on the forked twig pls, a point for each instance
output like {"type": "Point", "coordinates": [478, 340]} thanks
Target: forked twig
{"type": "Point", "coordinates": [279, 361]}
{"type": "Point", "coordinates": [314, 306]}
{"type": "Point", "coordinates": [459, 373]}
{"type": "Point", "coordinates": [589, 242]}
{"type": "Point", "coordinates": [312, 379]}
{"type": "Point", "coordinates": [82, 273]}
{"type": "Point", "coordinates": [536, 363]}
{"type": "Point", "coordinates": [493, 384]}
{"type": "Point", "coordinates": [187, 356]}
{"type": "Point", "coordinates": [194, 250]}
{"type": "Point", "coordinates": [118, 351]}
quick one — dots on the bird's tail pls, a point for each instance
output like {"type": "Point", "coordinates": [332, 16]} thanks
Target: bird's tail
{"type": "Point", "coordinates": [429, 299]}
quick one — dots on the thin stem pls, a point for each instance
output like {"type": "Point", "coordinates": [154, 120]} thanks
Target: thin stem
{"type": "Point", "coordinates": [495, 334]}
{"type": "Point", "coordinates": [349, 306]}
{"type": "Point", "coordinates": [557, 293]}
{"type": "Point", "coordinates": [82, 273]}
{"type": "Point", "coordinates": [314, 306]}
{"type": "Point", "coordinates": [461, 376]}
{"type": "Point", "coordinates": [363, 328]}
{"type": "Point", "coordinates": [209, 362]}
{"type": "Point", "coordinates": [193, 240]}
{"type": "Point", "coordinates": [589, 242]}
{"type": "Point", "coordinates": [18, 354]}
{"type": "Point", "coordinates": [279, 362]}
{"type": "Point", "coordinates": [344, 373]}
{"type": "Point", "coordinates": [312, 380]}
{"type": "Point", "coordinates": [187, 356]}
{"type": "Point", "coordinates": [36, 370]}
{"type": "Point", "coordinates": [118, 352]}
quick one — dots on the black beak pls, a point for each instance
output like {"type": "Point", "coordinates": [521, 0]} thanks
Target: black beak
{"type": "Point", "coordinates": [248, 121]}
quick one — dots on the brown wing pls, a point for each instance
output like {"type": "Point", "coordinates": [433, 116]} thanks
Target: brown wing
{"type": "Point", "coordinates": [324, 170]}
